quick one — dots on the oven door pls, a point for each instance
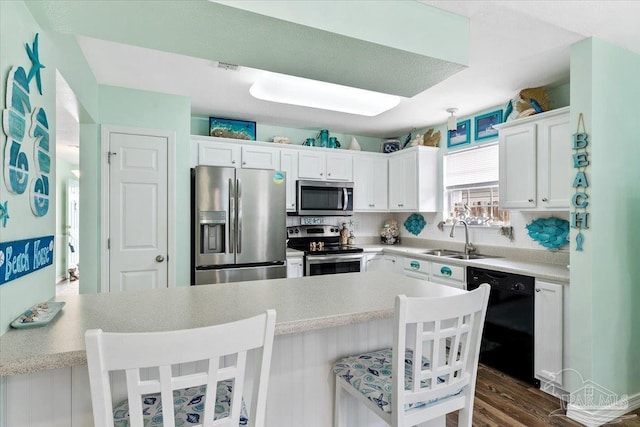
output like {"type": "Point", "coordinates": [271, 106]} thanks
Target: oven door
{"type": "Point", "coordinates": [316, 265]}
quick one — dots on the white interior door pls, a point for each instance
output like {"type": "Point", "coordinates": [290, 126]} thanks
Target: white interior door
{"type": "Point", "coordinates": [138, 211]}
{"type": "Point", "coordinates": [73, 223]}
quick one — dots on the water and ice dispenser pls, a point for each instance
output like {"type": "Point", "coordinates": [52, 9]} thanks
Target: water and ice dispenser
{"type": "Point", "coordinates": [213, 226]}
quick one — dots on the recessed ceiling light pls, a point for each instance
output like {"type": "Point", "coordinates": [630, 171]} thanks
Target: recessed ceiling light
{"type": "Point", "coordinates": [292, 90]}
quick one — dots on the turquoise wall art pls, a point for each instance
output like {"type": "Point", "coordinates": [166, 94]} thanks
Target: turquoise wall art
{"type": "Point", "coordinates": [552, 233]}
{"type": "Point", "coordinates": [579, 203]}
{"type": "Point", "coordinates": [415, 223]}
{"type": "Point", "coordinates": [27, 130]}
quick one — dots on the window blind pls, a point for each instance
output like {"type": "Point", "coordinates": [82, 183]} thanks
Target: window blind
{"type": "Point", "coordinates": [472, 168]}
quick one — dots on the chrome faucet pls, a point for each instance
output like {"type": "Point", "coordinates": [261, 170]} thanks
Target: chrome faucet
{"type": "Point", "coordinates": [468, 247]}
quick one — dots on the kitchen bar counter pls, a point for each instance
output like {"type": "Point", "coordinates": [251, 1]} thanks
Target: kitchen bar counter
{"type": "Point", "coordinates": [302, 304]}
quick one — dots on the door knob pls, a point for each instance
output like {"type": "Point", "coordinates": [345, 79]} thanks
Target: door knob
{"type": "Point", "coordinates": [159, 258]}
{"type": "Point", "coordinates": [544, 199]}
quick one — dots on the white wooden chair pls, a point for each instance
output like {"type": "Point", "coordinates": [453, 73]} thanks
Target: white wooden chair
{"type": "Point", "coordinates": [214, 392]}
{"type": "Point", "coordinates": [434, 362]}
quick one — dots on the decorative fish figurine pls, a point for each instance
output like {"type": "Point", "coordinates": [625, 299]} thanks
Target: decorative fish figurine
{"type": "Point", "coordinates": [4, 213]}
{"type": "Point", "coordinates": [508, 110]}
{"type": "Point", "coordinates": [536, 106]}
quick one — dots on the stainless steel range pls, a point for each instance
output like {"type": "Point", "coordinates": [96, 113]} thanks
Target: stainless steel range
{"type": "Point", "coordinates": [323, 253]}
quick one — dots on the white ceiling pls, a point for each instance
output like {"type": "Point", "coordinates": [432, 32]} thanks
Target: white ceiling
{"type": "Point", "coordinates": [514, 45]}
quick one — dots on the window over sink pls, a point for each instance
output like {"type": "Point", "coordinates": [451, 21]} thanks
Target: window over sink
{"type": "Point", "coordinates": [471, 187]}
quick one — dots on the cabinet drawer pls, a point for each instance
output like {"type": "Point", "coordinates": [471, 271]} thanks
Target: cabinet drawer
{"type": "Point", "coordinates": [453, 272]}
{"type": "Point", "coordinates": [416, 265]}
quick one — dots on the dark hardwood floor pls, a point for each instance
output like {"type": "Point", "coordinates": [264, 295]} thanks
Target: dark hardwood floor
{"type": "Point", "coordinates": [503, 401]}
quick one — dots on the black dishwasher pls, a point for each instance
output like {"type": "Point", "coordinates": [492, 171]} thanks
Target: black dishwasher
{"type": "Point", "coordinates": [507, 341]}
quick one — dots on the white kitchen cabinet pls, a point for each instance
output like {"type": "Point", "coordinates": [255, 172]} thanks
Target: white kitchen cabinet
{"type": "Point", "coordinates": [311, 165]}
{"type": "Point", "coordinates": [417, 268]}
{"type": "Point", "coordinates": [289, 165]}
{"type": "Point", "coordinates": [329, 165]}
{"type": "Point", "coordinates": [339, 166]}
{"type": "Point", "coordinates": [548, 332]}
{"type": "Point", "coordinates": [219, 154]}
{"type": "Point", "coordinates": [380, 262]}
{"type": "Point", "coordinates": [450, 275]}
{"type": "Point", "coordinates": [294, 267]}
{"type": "Point", "coordinates": [535, 162]}
{"type": "Point", "coordinates": [413, 180]}
{"type": "Point", "coordinates": [370, 175]}
{"type": "Point", "coordinates": [260, 157]}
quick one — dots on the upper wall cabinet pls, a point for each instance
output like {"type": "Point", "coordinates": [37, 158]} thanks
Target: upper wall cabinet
{"type": "Point", "coordinates": [535, 162]}
{"type": "Point", "coordinates": [236, 155]}
{"type": "Point", "coordinates": [330, 165]}
{"type": "Point", "coordinates": [370, 175]}
{"type": "Point", "coordinates": [413, 180]}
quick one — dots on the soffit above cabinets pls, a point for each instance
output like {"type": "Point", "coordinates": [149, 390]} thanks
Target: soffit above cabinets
{"type": "Point", "coordinates": [354, 43]}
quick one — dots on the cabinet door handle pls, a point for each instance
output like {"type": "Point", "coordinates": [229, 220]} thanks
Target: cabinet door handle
{"type": "Point", "coordinates": [320, 173]}
{"type": "Point", "coordinates": [399, 205]}
{"type": "Point", "coordinates": [538, 289]}
{"type": "Point", "coordinates": [233, 162]}
{"type": "Point", "coordinates": [329, 174]}
{"type": "Point", "coordinates": [544, 199]}
{"type": "Point", "coordinates": [530, 200]}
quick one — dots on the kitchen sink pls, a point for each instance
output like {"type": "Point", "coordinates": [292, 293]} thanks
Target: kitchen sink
{"type": "Point", "coordinates": [446, 253]}
{"type": "Point", "coordinates": [442, 252]}
{"type": "Point", "coordinates": [470, 256]}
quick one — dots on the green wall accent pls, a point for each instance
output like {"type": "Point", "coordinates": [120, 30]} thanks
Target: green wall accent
{"type": "Point", "coordinates": [265, 132]}
{"type": "Point", "coordinates": [149, 110]}
{"type": "Point", "coordinates": [604, 291]}
{"type": "Point", "coordinates": [17, 27]}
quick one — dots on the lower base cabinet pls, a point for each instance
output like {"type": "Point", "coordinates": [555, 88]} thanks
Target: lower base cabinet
{"type": "Point", "coordinates": [443, 274]}
{"type": "Point", "coordinates": [294, 267]}
{"type": "Point", "coordinates": [380, 262]}
{"type": "Point", "coordinates": [548, 332]}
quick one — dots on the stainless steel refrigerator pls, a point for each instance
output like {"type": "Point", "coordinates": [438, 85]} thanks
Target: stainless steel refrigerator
{"type": "Point", "coordinates": [238, 225]}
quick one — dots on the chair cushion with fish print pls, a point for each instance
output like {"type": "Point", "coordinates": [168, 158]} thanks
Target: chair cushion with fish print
{"type": "Point", "coordinates": [189, 407]}
{"type": "Point", "coordinates": [370, 374]}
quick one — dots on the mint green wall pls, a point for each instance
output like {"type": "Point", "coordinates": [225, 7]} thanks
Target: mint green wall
{"type": "Point", "coordinates": [149, 110]}
{"type": "Point", "coordinates": [604, 291]}
{"type": "Point", "coordinates": [17, 27]}
{"type": "Point", "coordinates": [264, 132]}
{"type": "Point", "coordinates": [63, 175]}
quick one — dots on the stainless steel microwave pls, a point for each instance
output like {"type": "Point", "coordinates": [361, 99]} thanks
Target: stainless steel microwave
{"type": "Point", "coordinates": [324, 198]}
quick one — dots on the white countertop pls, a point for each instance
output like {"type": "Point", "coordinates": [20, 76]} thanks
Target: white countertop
{"type": "Point", "coordinates": [301, 304]}
{"type": "Point", "coordinates": [539, 270]}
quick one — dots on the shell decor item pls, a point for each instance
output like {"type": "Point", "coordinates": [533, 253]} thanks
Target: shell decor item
{"type": "Point", "coordinates": [354, 144]}
{"type": "Point", "coordinates": [431, 139]}
{"type": "Point", "coordinates": [552, 233]}
{"type": "Point", "coordinates": [415, 224]}
{"type": "Point", "coordinates": [529, 101]}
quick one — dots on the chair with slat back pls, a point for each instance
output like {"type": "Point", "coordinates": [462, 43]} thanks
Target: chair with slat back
{"type": "Point", "coordinates": [433, 362]}
{"type": "Point", "coordinates": [211, 396]}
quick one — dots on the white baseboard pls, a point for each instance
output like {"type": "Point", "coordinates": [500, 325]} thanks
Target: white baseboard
{"type": "Point", "coordinates": [593, 418]}
{"type": "Point", "coordinates": [61, 279]}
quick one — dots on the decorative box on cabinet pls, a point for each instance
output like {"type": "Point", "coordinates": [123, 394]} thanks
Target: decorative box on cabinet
{"type": "Point", "coordinates": [548, 332]}
{"type": "Point", "coordinates": [370, 178]}
{"type": "Point", "coordinates": [535, 162]}
{"type": "Point", "coordinates": [413, 180]}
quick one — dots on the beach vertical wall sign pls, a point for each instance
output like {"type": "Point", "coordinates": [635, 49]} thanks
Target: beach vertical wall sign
{"type": "Point", "coordinates": [579, 203]}
{"type": "Point", "coordinates": [27, 162]}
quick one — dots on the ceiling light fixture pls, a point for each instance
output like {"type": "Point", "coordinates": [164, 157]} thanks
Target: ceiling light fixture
{"type": "Point", "coordinates": [287, 89]}
{"type": "Point", "coordinates": [452, 121]}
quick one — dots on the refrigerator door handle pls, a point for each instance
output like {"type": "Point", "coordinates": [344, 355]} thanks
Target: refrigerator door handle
{"type": "Point", "coordinates": [232, 215]}
{"type": "Point", "coordinates": [345, 199]}
{"type": "Point", "coordinates": [239, 241]}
